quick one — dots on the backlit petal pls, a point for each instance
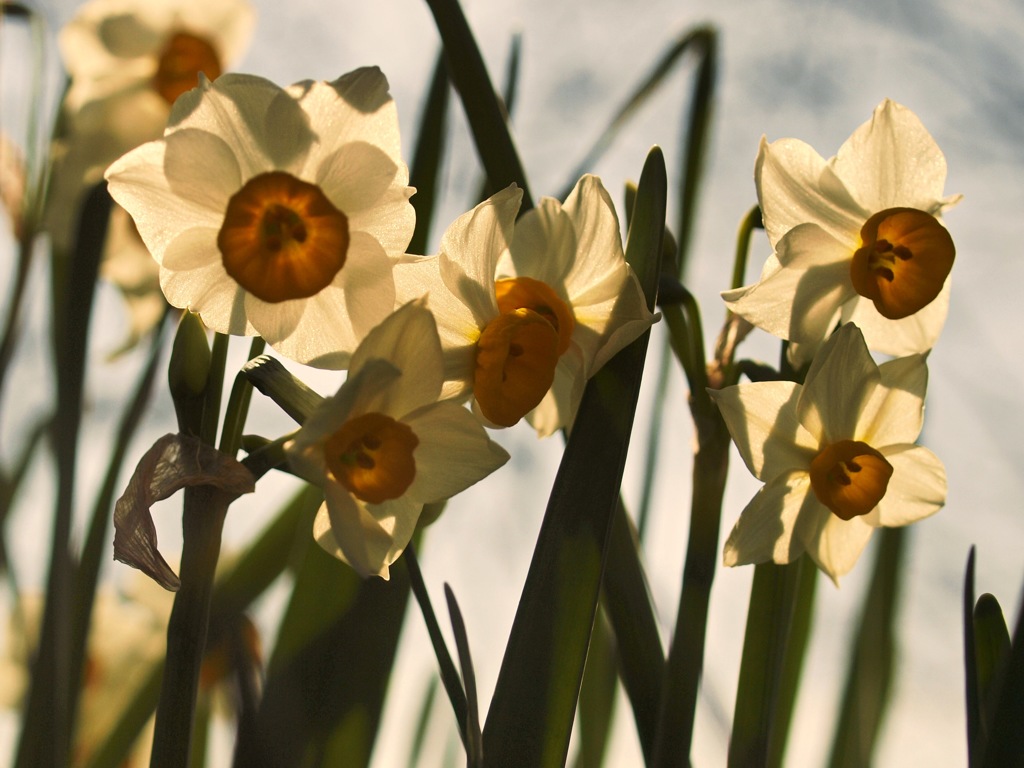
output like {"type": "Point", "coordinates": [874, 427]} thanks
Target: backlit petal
{"type": "Point", "coordinates": [838, 386]}
{"type": "Point", "coordinates": [917, 488]}
{"type": "Point", "coordinates": [892, 160]}
{"type": "Point", "coordinates": [801, 300]}
{"type": "Point", "coordinates": [796, 186]}
{"type": "Point", "coordinates": [453, 454]}
{"type": "Point", "coordinates": [833, 544]}
{"type": "Point", "coordinates": [764, 532]}
{"type": "Point", "coordinates": [761, 418]}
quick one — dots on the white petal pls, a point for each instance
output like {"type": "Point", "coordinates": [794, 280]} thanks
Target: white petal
{"type": "Point", "coordinates": [470, 250]}
{"type": "Point", "coordinates": [895, 413]}
{"type": "Point", "coordinates": [261, 122]}
{"type": "Point", "coordinates": [544, 245]}
{"type": "Point", "coordinates": [454, 452]}
{"type": "Point", "coordinates": [892, 160]}
{"type": "Point", "coordinates": [796, 186]}
{"type": "Point", "coordinates": [201, 167]}
{"type": "Point", "coordinates": [911, 335]}
{"type": "Point", "coordinates": [599, 247]}
{"type": "Point", "coordinates": [609, 316]}
{"type": "Point", "coordinates": [761, 418]}
{"type": "Point", "coordinates": [204, 287]}
{"type": "Point", "coordinates": [355, 177]}
{"type": "Point", "coordinates": [801, 299]}
{"type": "Point", "coordinates": [832, 543]}
{"type": "Point", "coordinates": [838, 386]}
{"type": "Point", "coordinates": [558, 407]}
{"type": "Point", "coordinates": [916, 489]}
{"type": "Point", "coordinates": [408, 340]}
{"type": "Point", "coordinates": [356, 107]}
{"type": "Point", "coordinates": [764, 532]}
{"type": "Point", "coordinates": [138, 184]}
{"type": "Point", "coordinates": [346, 530]}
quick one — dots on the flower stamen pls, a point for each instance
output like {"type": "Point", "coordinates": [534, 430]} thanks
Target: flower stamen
{"type": "Point", "coordinates": [372, 456]}
{"type": "Point", "coordinates": [180, 63]}
{"type": "Point", "coordinates": [282, 238]}
{"type": "Point", "coordinates": [850, 478]}
{"type": "Point", "coordinates": [904, 259]}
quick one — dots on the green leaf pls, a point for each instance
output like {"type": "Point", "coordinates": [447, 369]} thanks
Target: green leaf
{"type": "Point", "coordinates": [46, 726]}
{"type": "Point", "coordinates": [474, 745]}
{"type": "Point", "coordinates": [992, 653]}
{"type": "Point", "coordinates": [869, 676]}
{"type": "Point", "coordinates": [627, 600]}
{"type": "Point", "coordinates": [337, 627]}
{"type": "Point", "coordinates": [535, 697]}
{"type": "Point", "coordinates": [772, 601]}
{"type": "Point", "coordinates": [483, 108]}
{"type": "Point", "coordinates": [975, 736]}
{"type": "Point", "coordinates": [597, 695]}
{"type": "Point", "coordinates": [1005, 746]}
{"type": "Point", "coordinates": [426, 158]}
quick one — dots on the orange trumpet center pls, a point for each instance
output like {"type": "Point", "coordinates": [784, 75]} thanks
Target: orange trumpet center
{"type": "Point", "coordinates": [850, 478]}
{"type": "Point", "coordinates": [372, 456]}
{"type": "Point", "coordinates": [282, 238]}
{"type": "Point", "coordinates": [904, 259]}
{"type": "Point", "coordinates": [180, 63]}
{"type": "Point", "coordinates": [518, 351]}
{"type": "Point", "coordinates": [516, 357]}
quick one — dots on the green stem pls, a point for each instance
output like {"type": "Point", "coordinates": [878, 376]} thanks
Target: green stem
{"type": "Point", "coordinates": [449, 675]}
{"type": "Point", "coordinates": [773, 605]}
{"type": "Point", "coordinates": [686, 654]}
{"type": "Point", "coordinates": [202, 523]}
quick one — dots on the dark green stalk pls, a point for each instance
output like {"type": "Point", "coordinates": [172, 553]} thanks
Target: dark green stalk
{"type": "Point", "coordinates": [711, 462]}
{"type": "Point", "coordinates": [449, 674]}
{"type": "Point", "coordinates": [96, 538]}
{"type": "Point", "coordinates": [869, 675]}
{"type": "Point", "coordinates": [46, 727]}
{"type": "Point", "coordinates": [202, 523]}
{"type": "Point", "coordinates": [205, 508]}
{"type": "Point", "coordinates": [772, 605]}
{"type": "Point", "coordinates": [483, 109]}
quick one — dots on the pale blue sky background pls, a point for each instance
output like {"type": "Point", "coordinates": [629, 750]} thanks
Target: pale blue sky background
{"type": "Point", "coordinates": [809, 69]}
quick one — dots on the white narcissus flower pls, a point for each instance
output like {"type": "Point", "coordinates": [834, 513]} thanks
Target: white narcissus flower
{"type": "Point", "coordinates": [836, 454]}
{"type": "Point", "coordinates": [384, 446]}
{"type": "Point", "coordinates": [857, 238]}
{"type": "Point", "coordinates": [127, 61]}
{"type": "Point", "coordinates": [277, 212]}
{"type": "Point", "coordinates": [529, 310]}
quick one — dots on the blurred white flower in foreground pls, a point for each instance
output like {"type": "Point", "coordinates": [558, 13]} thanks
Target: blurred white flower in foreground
{"type": "Point", "coordinates": [128, 60]}
{"type": "Point", "coordinates": [383, 446]}
{"type": "Point", "coordinates": [857, 239]}
{"type": "Point", "coordinates": [277, 212]}
{"type": "Point", "coordinates": [127, 640]}
{"type": "Point", "coordinates": [529, 310]}
{"type": "Point", "coordinates": [836, 454]}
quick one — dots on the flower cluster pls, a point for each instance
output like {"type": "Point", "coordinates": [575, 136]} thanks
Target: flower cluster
{"type": "Point", "coordinates": [284, 212]}
{"type": "Point", "coordinates": [858, 241]}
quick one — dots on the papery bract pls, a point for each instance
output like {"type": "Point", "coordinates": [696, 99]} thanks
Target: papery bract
{"type": "Point", "coordinates": [857, 238]}
{"type": "Point", "coordinates": [277, 212]}
{"type": "Point", "coordinates": [529, 310]}
{"type": "Point", "coordinates": [384, 446]}
{"type": "Point", "coordinates": [836, 454]}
